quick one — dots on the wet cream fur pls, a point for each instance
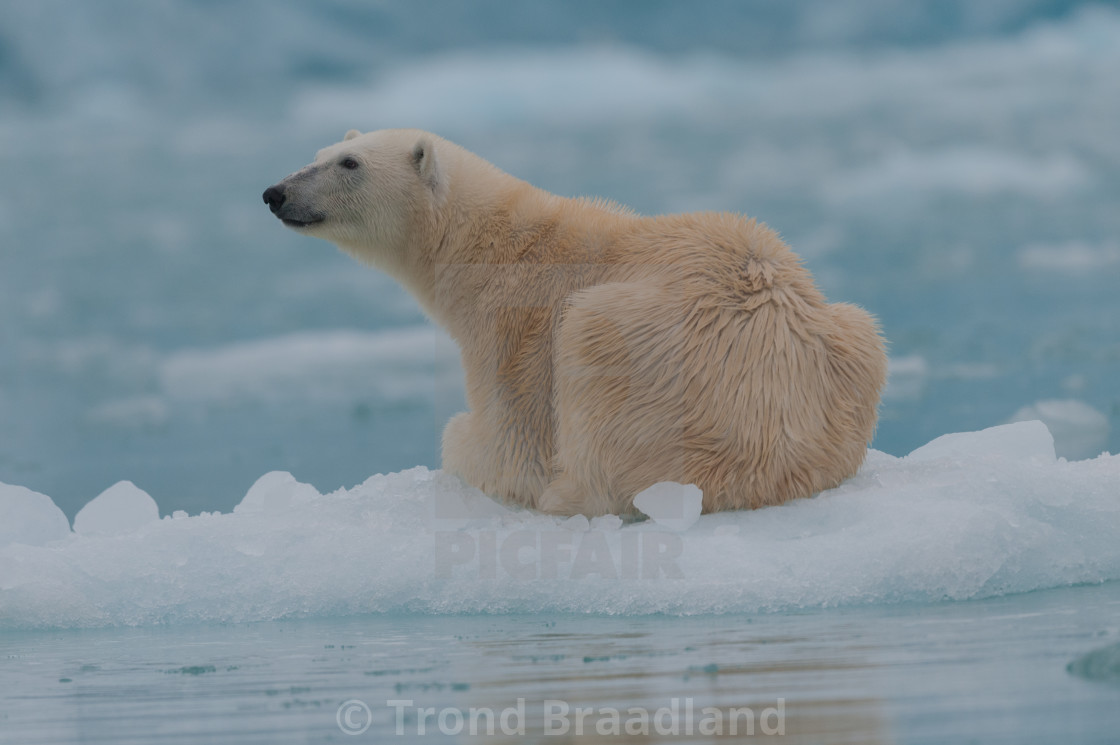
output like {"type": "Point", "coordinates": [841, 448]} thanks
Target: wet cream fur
{"type": "Point", "coordinates": [605, 351]}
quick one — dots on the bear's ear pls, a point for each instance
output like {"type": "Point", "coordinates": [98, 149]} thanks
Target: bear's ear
{"type": "Point", "coordinates": [351, 135]}
{"type": "Point", "coordinates": [426, 165]}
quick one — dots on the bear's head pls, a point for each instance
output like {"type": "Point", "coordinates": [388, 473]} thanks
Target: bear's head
{"type": "Point", "coordinates": [370, 194]}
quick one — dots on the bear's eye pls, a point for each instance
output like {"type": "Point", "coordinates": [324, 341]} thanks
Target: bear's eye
{"type": "Point", "coordinates": [349, 164]}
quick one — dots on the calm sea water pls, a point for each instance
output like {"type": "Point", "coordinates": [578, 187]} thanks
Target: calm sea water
{"type": "Point", "coordinates": [1037, 668]}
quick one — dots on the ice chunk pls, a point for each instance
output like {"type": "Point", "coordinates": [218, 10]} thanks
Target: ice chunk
{"type": "Point", "coordinates": [122, 508]}
{"type": "Point", "coordinates": [460, 507]}
{"type": "Point", "coordinates": [275, 491]}
{"type": "Point", "coordinates": [576, 523]}
{"type": "Point", "coordinates": [1029, 440]}
{"type": "Point", "coordinates": [1072, 257]}
{"type": "Point", "coordinates": [392, 365]}
{"type": "Point", "coordinates": [139, 412]}
{"type": "Point", "coordinates": [671, 505]}
{"type": "Point", "coordinates": [971, 515]}
{"type": "Point", "coordinates": [29, 517]}
{"type": "Point", "coordinates": [906, 378]}
{"type": "Point", "coordinates": [971, 171]}
{"type": "Point", "coordinates": [1079, 430]}
{"type": "Point", "coordinates": [606, 522]}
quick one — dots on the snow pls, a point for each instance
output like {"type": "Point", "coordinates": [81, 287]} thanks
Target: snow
{"type": "Point", "coordinates": [969, 515]}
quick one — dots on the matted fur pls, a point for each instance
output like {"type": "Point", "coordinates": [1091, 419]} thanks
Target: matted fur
{"type": "Point", "coordinates": [605, 351]}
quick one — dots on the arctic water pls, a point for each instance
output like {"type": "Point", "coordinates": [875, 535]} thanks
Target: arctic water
{"type": "Point", "coordinates": [284, 557]}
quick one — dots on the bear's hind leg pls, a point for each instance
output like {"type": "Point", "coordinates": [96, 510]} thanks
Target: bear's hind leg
{"type": "Point", "coordinates": [618, 415]}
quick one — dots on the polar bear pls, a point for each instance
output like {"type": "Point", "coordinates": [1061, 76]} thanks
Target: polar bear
{"type": "Point", "coordinates": [604, 351]}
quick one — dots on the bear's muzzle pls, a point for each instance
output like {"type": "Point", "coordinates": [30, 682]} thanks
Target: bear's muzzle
{"type": "Point", "coordinates": [290, 213]}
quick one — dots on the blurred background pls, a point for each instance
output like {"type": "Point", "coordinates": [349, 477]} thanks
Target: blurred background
{"type": "Point", "coordinates": [952, 165]}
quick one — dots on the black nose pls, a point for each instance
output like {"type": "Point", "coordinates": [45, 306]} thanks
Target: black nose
{"type": "Point", "coordinates": [274, 197]}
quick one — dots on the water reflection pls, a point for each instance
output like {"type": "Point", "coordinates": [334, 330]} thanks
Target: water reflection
{"type": "Point", "coordinates": [922, 673]}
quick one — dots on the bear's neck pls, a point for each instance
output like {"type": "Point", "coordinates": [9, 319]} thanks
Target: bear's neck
{"type": "Point", "coordinates": [494, 239]}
